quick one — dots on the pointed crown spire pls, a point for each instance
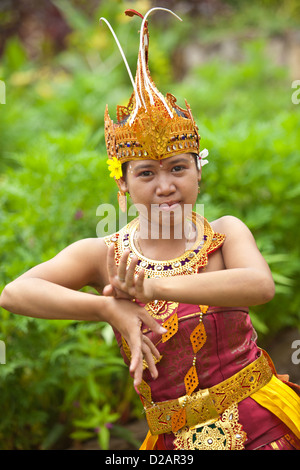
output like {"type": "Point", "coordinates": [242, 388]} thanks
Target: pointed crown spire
{"type": "Point", "coordinates": [151, 126]}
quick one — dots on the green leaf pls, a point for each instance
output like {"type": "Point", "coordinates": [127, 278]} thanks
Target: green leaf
{"type": "Point", "coordinates": [103, 438]}
{"type": "Point", "coordinates": [258, 323]}
{"type": "Point", "coordinates": [82, 435]}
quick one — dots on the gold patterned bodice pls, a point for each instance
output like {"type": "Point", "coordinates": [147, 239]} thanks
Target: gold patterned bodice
{"type": "Point", "coordinates": [190, 262]}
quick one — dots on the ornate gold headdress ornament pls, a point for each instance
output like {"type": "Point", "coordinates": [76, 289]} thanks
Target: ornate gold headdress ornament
{"type": "Point", "coordinates": [151, 126]}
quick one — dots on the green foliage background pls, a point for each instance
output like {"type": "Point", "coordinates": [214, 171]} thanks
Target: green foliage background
{"type": "Point", "coordinates": [66, 379]}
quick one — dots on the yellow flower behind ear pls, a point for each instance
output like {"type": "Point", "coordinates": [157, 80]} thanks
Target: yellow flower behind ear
{"type": "Point", "coordinates": [115, 168]}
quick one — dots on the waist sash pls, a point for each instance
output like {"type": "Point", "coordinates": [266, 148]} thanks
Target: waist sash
{"type": "Point", "coordinates": [205, 406]}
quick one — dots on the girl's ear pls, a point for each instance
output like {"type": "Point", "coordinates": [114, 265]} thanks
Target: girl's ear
{"type": "Point", "coordinates": [199, 175]}
{"type": "Point", "coordinates": [122, 184]}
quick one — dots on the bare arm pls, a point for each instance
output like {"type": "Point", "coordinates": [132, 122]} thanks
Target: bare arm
{"type": "Point", "coordinates": [51, 290]}
{"type": "Point", "coordinates": [245, 280]}
{"type": "Point", "coordinates": [231, 288]}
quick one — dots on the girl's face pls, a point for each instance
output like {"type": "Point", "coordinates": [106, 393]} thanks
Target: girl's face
{"type": "Point", "coordinates": [167, 186]}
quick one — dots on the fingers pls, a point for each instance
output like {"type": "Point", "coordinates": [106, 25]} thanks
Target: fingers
{"type": "Point", "coordinates": [127, 274]}
{"type": "Point", "coordinates": [154, 351]}
{"type": "Point", "coordinates": [124, 278]}
{"type": "Point", "coordinates": [123, 266]}
{"type": "Point", "coordinates": [150, 353]}
{"type": "Point", "coordinates": [109, 291]}
{"type": "Point", "coordinates": [130, 273]}
{"type": "Point", "coordinates": [116, 275]}
{"type": "Point", "coordinates": [145, 348]}
{"type": "Point", "coordinates": [127, 317]}
{"type": "Point", "coordinates": [141, 350]}
{"type": "Point", "coordinates": [151, 323]}
{"type": "Point", "coordinates": [136, 363]}
{"type": "Point", "coordinates": [120, 272]}
{"type": "Point", "coordinates": [142, 347]}
{"type": "Point", "coordinates": [111, 264]}
{"type": "Point", "coordinates": [139, 284]}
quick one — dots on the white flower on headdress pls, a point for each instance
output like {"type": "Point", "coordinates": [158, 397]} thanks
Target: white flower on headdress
{"type": "Point", "coordinates": [202, 155]}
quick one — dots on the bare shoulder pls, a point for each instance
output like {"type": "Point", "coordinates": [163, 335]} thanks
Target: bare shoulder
{"type": "Point", "coordinates": [90, 253]}
{"type": "Point", "coordinates": [86, 251]}
{"type": "Point", "coordinates": [239, 248]}
{"type": "Point", "coordinates": [86, 247]}
{"type": "Point", "coordinates": [231, 226]}
{"type": "Point", "coordinates": [80, 264]}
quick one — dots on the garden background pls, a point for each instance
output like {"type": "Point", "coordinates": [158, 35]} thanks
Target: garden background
{"type": "Point", "coordinates": [236, 62]}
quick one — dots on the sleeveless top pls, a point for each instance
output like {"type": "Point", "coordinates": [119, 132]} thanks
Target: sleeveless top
{"type": "Point", "coordinates": [229, 339]}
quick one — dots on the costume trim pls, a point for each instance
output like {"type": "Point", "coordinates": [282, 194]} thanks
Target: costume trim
{"type": "Point", "coordinates": [224, 434]}
{"type": "Point", "coordinates": [190, 262]}
{"type": "Point", "coordinates": [206, 406]}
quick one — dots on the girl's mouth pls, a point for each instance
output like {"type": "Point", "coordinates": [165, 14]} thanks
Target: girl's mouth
{"type": "Point", "coordinates": [169, 206]}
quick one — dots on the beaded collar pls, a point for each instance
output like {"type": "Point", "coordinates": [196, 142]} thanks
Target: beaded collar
{"type": "Point", "coordinates": [189, 262]}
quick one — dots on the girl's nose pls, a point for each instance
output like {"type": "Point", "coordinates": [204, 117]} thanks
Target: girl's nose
{"type": "Point", "coordinates": [165, 185]}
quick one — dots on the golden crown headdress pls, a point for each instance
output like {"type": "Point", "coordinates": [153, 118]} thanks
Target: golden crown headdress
{"type": "Point", "coordinates": [151, 126]}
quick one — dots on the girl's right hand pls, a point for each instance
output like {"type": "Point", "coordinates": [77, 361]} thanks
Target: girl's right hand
{"type": "Point", "coordinates": [127, 317]}
{"type": "Point", "coordinates": [124, 284]}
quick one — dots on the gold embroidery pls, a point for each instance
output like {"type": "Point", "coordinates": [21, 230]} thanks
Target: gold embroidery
{"type": "Point", "coordinates": [126, 348]}
{"type": "Point", "coordinates": [224, 434]}
{"type": "Point", "coordinates": [274, 446]}
{"type": "Point", "coordinates": [191, 381]}
{"type": "Point", "coordinates": [198, 337]}
{"type": "Point", "coordinates": [171, 324]}
{"type": "Point", "coordinates": [145, 391]}
{"type": "Point", "coordinates": [178, 419]}
{"type": "Point", "coordinates": [188, 263]}
{"type": "Point", "coordinates": [163, 310]}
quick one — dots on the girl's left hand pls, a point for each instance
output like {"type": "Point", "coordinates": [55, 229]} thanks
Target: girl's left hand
{"type": "Point", "coordinates": [124, 284]}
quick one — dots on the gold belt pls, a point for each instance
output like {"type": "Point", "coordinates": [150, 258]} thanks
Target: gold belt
{"type": "Point", "coordinates": [206, 406]}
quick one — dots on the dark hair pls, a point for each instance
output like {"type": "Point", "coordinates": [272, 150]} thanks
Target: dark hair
{"type": "Point", "coordinates": [124, 169]}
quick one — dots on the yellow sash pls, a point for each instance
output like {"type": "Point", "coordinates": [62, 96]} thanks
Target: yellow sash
{"type": "Point", "coordinates": [149, 442]}
{"type": "Point", "coordinates": [282, 401]}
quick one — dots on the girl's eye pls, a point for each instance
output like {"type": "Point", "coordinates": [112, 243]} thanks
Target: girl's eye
{"type": "Point", "coordinates": [146, 173]}
{"type": "Point", "coordinates": [177, 168]}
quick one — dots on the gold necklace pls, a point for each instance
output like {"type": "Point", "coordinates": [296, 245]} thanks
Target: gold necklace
{"type": "Point", "coordinates": [189, 262]}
